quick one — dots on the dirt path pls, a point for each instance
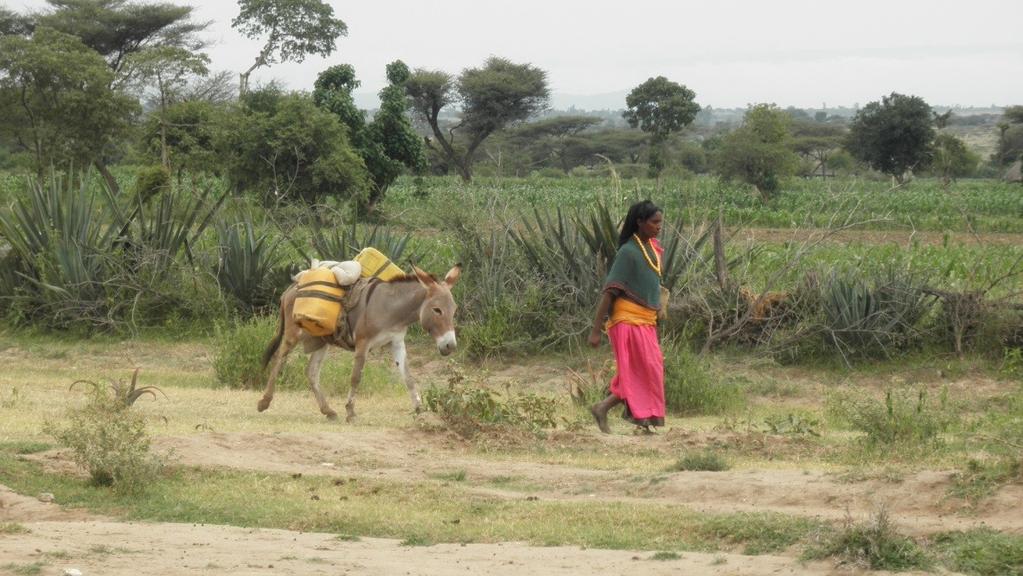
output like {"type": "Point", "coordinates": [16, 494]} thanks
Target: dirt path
{"type": "Point", "coordinates": [918, 501]}
{"type": "Point", "coordinates": [58, 540]}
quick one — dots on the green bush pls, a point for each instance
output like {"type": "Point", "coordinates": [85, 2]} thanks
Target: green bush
{"type": "Point", "coordinates": [902, 417]}
{"type": "Point", "coordinates": [238, 355]}
{"type": "Point", "coordinates": [689, 388]}
{"type": "Point", "coordinates": [468, 408]}
{"type": "Point", "coordinates": [150, 181]}
{"type": "Point", "coordinates": [110, 441]}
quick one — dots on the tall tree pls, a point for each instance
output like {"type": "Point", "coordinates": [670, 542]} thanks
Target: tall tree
{"type": "Point", "coordinates": [168, 66]}
{"type": "Point", "coordinates": [893, 136]}
{"type": "Point", "coordinates": [494, 96]}
{"type": "Point", "coordinates": [759, 152]}
{"type": "Point", "coordinates": [388, 144]}
{"type": "Point", "coordinates": [661, 108]}
{"type": "Point", "coordinates": [293, 30]}
{"type": "Point", "coordinates": [118, 28]}
{"type": "Point", "coordinates": [1010, 136]}
{"type": "Point", "coordinates": [56, 99]}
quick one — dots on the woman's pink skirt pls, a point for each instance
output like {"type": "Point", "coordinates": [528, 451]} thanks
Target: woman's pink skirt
{"type": "Point", "coordinates": [640, 378]}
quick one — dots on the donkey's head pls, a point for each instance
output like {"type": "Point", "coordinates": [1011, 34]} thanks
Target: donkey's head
{"type": "Point", "coordinates": [437, 314]}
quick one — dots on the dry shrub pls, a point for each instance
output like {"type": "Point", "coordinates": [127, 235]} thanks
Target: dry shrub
{"type": "Point", "coordinates": [110, 442]}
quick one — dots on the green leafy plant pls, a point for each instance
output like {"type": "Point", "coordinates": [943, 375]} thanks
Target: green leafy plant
{"type": "Point", "coordinates": [689, 387]}
{"type": "Point", "coordinates": [238, 355]}
{"type": "Point", "coordinates": [901, 417]}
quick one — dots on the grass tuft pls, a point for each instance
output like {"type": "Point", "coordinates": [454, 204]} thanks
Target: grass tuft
{"type": "Point", "coordinates": [875, 544]}
{"type": "Point", "coordinates": [13, 528]}
{"type": "Point", "coordinates": [983, 552]}
{"type": "Point", "coordinates": [701, 462]}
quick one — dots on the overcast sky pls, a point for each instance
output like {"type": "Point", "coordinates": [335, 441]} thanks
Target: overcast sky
{"type": "Point", "coordinates": [804, 53]}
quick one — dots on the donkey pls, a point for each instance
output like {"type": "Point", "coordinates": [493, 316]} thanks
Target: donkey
{"type": "Point", "coordinates": [381, 314]}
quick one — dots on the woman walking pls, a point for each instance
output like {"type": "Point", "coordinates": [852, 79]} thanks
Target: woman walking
{"type": "Point", "coordinates": [628, 311]}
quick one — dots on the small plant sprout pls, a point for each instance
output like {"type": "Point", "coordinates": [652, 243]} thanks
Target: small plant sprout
{"type": "Point", "coordinates": [125, 393]}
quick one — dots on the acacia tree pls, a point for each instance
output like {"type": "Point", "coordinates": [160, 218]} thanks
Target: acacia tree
{"type": "Point", "coordinates": [661, 108]}
{"type": "Point", "coordinates": [388, 144]}
{"type": "Point", "coordinates": [1010, 136]}
{"type": "Point", "coordinates": [893, 136]}
{"type": "Point", "coordinates": [116, 29]}
{"type": "Point", "coordinates": [293, 30]}
{"type": "Point", "coordinates": [168, 66]}
{"type": "Point", "coordinates": [552, 138]}
{"type": "Point", "coordinates": [817, 141]}
{"type": "Point", "coordinates": [492, 97]}
{"type": "Point", "coordinates": [56, 99]}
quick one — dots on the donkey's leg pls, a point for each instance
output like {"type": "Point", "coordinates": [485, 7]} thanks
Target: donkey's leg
{"type": "Point", "coordinates": [400, 362]}
{"type": "Point", "coordinates": [312, 371]}
{"type": "Point", "coordinates": [361, 348]}
{"type": "Point", "coordinates": [287, 345]}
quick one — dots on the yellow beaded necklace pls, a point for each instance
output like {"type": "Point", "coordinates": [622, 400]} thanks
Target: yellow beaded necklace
{"type": "Point", "coordinates": [655, 265]}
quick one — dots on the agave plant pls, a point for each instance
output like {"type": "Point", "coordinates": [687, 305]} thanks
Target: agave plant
{"type": "Point", "coordinates": [169, 226]}
{"type": "Point", "coordinates": [344, 242]}
{"type": "Point", "coordinates": [247, 261]}
{"type": "Point", "coordinates": [124, 394]}
{"type": "Point", "coordinates": [882, 313]}
{"type": "Point", "coordinates": [60, 245]}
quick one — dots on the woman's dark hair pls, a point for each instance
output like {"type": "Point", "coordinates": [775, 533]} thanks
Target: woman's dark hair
{"type": "Point", "coordinates": [639, 211]}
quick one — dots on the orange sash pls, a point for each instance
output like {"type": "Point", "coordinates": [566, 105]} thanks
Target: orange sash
{"type": "Point", "coordinates": [629, 312]}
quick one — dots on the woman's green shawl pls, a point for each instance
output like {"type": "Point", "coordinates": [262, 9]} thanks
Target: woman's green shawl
{"type": "Point", "coordinates": [631, 275]}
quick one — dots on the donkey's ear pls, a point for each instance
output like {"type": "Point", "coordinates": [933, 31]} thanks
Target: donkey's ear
{"type": "Point", "coordinates": [424, 277]}
{"type": "Point", "coordinates": [452, 276]}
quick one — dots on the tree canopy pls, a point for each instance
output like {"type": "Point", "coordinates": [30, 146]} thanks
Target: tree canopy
{"type": "Point", "coordinates": [117, 29]}
{"type": "Point", "coordinates": [293, 29]}
{"type": "Point", "coordinates": [283, 147]}
{"type": "Point", "coordinates": [759, 152]}
{"type": "Point", "coordinates": [893, 136]}
{"type": "Point", "coordinates": [56, 99]}
{"type": "Point", "coordinates": [494, 96]}
{"type": "Point", "coordinates": [661, 108]}
{"type": "Point", "coordinates": [388, 144]}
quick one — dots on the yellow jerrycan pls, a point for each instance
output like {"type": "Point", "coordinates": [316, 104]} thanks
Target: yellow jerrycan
{"type": "Point", "coordinates": [374, 263]}
{"type": "Point", "coordinates": [318, 303]}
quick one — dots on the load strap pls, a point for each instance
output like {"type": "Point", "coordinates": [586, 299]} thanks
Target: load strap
{"type": "Point", "coordinates": [320, 295]}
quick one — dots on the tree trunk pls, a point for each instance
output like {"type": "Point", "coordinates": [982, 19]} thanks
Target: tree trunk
{"type": "Point", "coordinates": [107, 176]}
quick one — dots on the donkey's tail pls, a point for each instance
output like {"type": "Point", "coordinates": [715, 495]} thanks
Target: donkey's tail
{"type": "Point", "coordinates": [271, 349]}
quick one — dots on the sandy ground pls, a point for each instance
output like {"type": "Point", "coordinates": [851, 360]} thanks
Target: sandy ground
{"type": "Point", "coordinates": [67, 541]}
{"type": "Point", "coordinates": [72, 539]}
{"type": "Point", "coordinates": [59, 539]}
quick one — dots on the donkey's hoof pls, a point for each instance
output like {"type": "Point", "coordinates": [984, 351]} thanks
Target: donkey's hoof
{"type": "Point", "coordinates": [263, 404]}
{"type": "Point", "coordinates": [330, 414]}
{"type": "Point", "coordinates": [350, 418]}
